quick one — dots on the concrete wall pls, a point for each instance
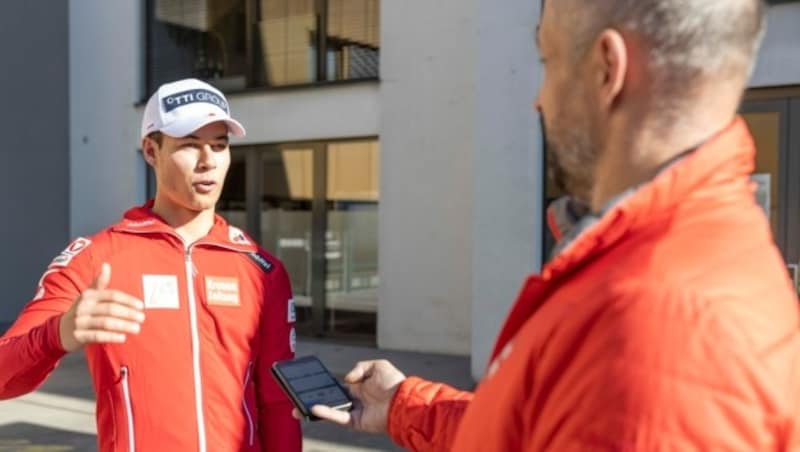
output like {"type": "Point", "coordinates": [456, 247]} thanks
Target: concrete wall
{"type": "Point", "coordinates": [460, 189]}
{"type": "Point", "coordinates": [779, 59]}
{"type": "Point", "coordinates": [34, 176]}
{"type": "Point", "coordinates": [106, 79]}
{"type": "Point", "coordinates": [507, 211]}
{"type": "Point", "coordinates": [427, 150]}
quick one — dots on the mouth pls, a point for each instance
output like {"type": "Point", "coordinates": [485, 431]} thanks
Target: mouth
{"type": "Point", "coordinates": [205, 186]}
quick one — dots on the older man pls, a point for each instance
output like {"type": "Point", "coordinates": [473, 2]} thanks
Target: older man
{"type": "Point", "coordinates": [665, 319]}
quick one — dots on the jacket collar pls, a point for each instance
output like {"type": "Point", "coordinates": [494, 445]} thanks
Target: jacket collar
{"type": "Point", "coordinates": [142, 220]}
{"type": "Point", "coordinates": [718, 169]}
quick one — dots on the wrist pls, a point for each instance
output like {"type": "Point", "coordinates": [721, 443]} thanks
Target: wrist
{"type": "Point", "coordinates": [66, 340]}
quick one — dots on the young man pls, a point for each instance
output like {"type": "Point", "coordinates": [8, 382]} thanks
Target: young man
{"type": "Point", "coordinates": [666, 319]}
{"type": "Point", "coordinates": [180, 314]}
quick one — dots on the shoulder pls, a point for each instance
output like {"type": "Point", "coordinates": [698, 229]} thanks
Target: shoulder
{"type": "Point", "coordinates": [82, 250]}
{"type": "Point", "coordinates": [267, 263]}
{"type": "Point", "coordinates": [682, 328]}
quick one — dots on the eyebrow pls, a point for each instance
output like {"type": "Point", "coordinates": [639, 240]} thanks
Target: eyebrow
{"type": "Point", "coordinates": [221, 137]}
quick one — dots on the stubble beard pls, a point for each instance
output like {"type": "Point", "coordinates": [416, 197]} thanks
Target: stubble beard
{"type": "Point", "coordinates": [571, 156]}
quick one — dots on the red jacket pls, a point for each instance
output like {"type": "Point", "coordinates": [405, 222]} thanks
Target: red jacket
{"type": "Point", "coordinates": [670, 324]}
{"type": "Point", "coordinates": [197, 376]}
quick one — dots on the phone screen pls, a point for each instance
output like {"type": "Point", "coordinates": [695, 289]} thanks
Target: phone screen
{"type": "Point", "coordinates": [309, 383]}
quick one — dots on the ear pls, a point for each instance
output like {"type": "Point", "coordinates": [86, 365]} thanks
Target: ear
{"type": "Point", "coordinates": [149, 148]}
{"type": "Point", "coordinates": [613, 61]}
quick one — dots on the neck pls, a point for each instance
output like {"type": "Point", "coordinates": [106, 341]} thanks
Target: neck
{"type": "Point", "coordinates": [636, 147]}
{"type": "Point", "coordinates": [190, 225]}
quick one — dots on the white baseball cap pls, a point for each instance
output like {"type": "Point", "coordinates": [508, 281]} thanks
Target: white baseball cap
{"type": "Point", "coordinates": [179, 108]}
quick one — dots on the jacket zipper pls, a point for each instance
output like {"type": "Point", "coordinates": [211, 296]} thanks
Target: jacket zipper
{"type": "Point", "coordinates": [198, 392]}
{"type": "Point", "coordinates": [198, 388]}
{"type": "Point", "coordinates": [244, 403]}
{"type": "Point", "coordinates": [126, 393]}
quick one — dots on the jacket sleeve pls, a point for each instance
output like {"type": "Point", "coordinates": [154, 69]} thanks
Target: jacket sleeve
{"type": "Point", "coordinates": [278, 430]}
{"type": "Point", "coordinates": [31, 348]}
{"type": "Point", "coordinates": [424, 416]}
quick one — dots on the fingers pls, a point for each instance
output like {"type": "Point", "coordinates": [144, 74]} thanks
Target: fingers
{"type": "Point", "coordinates": [112, 296]}
{"type": "Point", "coordinates": [105, 323]}
{"type": "Point", "coordinates": [99, 337]}
{"type": "Point", "coordinates": [329, 414]}
{"type": "Point", "coordinates": [360, 372]}
{"type": "Point", "coordinates": [102, 280]}
{"type": "Point", "coordinates": [326, 413]}
{"type": "Point", "coordinates": [103, 315]}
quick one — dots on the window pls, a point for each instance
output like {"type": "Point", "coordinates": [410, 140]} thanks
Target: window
{"type": "Point", "coordinates": [241, 44]}
{"type": "Point", "coordinates": [315, 206]}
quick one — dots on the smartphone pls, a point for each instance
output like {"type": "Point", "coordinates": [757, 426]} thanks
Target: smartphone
{"type": "Point", "coordinates": [307, 382]}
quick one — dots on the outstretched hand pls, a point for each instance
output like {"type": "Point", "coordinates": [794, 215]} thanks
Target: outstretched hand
{"type": "Point", "coordinates": [100, 315]}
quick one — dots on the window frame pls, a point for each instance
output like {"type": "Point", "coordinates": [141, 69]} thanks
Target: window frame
{"type": "Point", "coordinates": [321, 312]}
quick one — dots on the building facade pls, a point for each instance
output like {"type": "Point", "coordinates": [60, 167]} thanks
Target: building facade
{"type": "Point", "coordinates": [393, 159]}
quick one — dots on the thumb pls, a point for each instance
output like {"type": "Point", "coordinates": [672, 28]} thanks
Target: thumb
{"type": "Point", "coordinates": [361, 371]}
{"type": "Point", "coordinates": [102, 280]}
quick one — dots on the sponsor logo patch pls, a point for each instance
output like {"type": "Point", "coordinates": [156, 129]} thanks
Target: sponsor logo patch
{"type": "Point", "coordinates": [235, 235]}
{"type": "Point", "coordinates": [261, 261]}
{"type": "Point", "coordinates": [291, 313]}
{"type": "Point", "coordinates": [160, 291]}
{"type": "Point", "coordinates": [193, 96]}
{"type": "Point", "coordinates": [72, 250]}
{"type": "Point", "coordinates": [292, 340]}
{"type": "Point", "coordinates": [502, 356]}
{"type": "Point", "coordinates": [221, 291]}
{"type": "Point", "coordinates": [40, 292]}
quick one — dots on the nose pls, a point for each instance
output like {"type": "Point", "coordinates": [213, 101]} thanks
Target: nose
{"type": "Point", "coordinates": [537, 102]}
{"type": "Point", "coordinates": [206, 160]}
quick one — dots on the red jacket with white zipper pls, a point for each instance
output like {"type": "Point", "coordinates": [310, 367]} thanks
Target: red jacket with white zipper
{"type": "Point", "coordinates": [197, 376]}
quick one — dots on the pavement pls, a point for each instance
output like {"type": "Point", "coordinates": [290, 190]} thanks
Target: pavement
{"type": "Point", "coordinates": [59, 417]}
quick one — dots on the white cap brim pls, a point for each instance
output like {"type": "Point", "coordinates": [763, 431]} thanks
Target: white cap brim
{"type": "Point", "coordinates": [184, 128]}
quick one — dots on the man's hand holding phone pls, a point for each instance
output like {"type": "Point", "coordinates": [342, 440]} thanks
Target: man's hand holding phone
{"type": "Point", "coordinates": [372, 385]}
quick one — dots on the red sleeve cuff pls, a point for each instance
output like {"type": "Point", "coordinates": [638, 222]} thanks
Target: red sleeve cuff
{"type": "Point", "coordinates": [398, 424]}
{"type": "Point", "coordinates": [53, 337]}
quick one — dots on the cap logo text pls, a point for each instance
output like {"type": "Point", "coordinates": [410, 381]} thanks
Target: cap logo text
{"type": "Point", "coordinates": [193, 96]}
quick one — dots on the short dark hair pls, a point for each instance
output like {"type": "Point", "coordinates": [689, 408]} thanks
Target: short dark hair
{"type": "Point", "coordinates": [157, 136]}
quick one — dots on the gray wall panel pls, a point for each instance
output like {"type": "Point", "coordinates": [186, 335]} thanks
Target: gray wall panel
{"type": "Point", "coordinates": [34, 125]}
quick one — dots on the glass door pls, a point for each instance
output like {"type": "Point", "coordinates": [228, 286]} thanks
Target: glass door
{"type": "Point", "coordinates": [315, 207]}
{"type": "Point", "coordinates": [285, 217]}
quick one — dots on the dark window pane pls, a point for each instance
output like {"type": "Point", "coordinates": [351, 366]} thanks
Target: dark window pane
{"type": "Point", "coordinates": [352, 39]}
{"type": "Point", "coordinates": [205, 39]}
{"type": "Point", "coordinates": [235, 44]}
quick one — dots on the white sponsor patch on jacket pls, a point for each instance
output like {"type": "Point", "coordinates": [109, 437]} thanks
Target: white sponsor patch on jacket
{"type": "Point", "coordinates": [160, 291]}
{"type": "Point", "coordinates": [291, 313]}
{"type": "Point", "coordinates": [502, 356]}
{"type": "Point", "coordinates": [72, 250]}
{"type": "Point", "coordinates": [40, 291]}
{"type": "Point", "coordinates": [222, 291]}
{"type": "Point", "coordinates": [292, 340]}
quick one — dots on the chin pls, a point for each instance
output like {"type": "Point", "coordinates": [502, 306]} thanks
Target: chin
{"type": "Point", "coordinates": [201, 205]}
